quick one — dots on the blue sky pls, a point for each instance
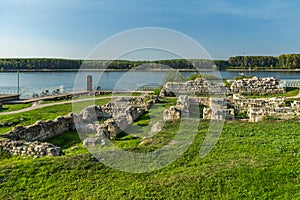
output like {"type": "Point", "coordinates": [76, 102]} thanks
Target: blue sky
{"type": "Point", "coordinates": [72, 28]}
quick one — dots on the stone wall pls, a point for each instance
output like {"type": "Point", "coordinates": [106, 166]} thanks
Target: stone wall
{"type": "Point", "coordinates": [243, 104]}
{"type": "Point", "coordinates": [256, 86]}
{"type": "Point", "coordinates": [42, 130]}
{"type": "Point", "coordinates": [22, 148]}
{"type": "Point", "coordinates": [258, 114]}
{"type": "Point", "coordinates": [87, 121]}
{"type": "Point", "coordinates": [246, 86]}
{"type": "Point", "coordinates": [218, 113]}
{"type": "Point", "coordinates": [123, 111]}
{"type": "Point", "coordinates": [194, 87]}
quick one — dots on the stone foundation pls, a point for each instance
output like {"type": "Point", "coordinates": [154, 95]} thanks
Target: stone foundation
{"type": "Point", "coordinates": [22, 148]}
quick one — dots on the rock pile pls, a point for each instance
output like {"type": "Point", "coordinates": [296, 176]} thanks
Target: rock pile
{"type": "Point", "coordinates": [22, 148]}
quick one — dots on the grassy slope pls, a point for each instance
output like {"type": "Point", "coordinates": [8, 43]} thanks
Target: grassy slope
{"type": "Point", "coordinates": [250, 160]}
{"type": "Point", "coordinates": [46, 113]}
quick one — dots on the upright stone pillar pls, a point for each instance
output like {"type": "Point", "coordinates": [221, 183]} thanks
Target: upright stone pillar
{"type": "Point", "coordinates": [89, 85]}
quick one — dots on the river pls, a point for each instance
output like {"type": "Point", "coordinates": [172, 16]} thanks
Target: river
{"type": "Point", "coordinates": [37, 82]}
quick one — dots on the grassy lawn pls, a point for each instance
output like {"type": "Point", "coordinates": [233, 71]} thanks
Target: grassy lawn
{"type": "Point", "coordinates": [46, 101]}
{"type": "Point", "coordinates": [51, 112]}
{"type": "Point", "coordinates": [12, 107]}
{"type": "Point", "coordinates": [250, 161]}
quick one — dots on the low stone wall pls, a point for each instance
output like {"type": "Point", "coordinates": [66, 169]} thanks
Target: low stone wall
{"type": "Point", "coordinates": [252, 86]}
{"type": "Point", "coordinates": [258, 114]}
{"type": "Point", "coordinates": [244, 104]}
{"type": "Point", "coordinates": [42, 130]}
{"type": "Point", "coordinates": [22, 148]}
{"type": "Point", "coordinates": [218, 114]}
{"type": "Point", "coordinates": [194, 87]}
{"type": "Point", "coordinates": [257, 86]}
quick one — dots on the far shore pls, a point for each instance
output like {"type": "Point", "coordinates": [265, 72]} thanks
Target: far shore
{"type": "Point", "coordinates": [149, 70]}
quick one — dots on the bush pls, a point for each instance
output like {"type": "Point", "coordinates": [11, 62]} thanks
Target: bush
{"type": "Point", "coordinates": [194, 76]}
{"type": "Point", "coordinates": [242, 115]}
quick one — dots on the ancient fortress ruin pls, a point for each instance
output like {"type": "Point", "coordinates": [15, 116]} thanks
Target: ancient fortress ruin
{"type": "Point", "coordinates": [232, 101]}
{"type": "Point", "coordinates": [94, 123]}
{"type": "Point", "coordinates": [97, 124]}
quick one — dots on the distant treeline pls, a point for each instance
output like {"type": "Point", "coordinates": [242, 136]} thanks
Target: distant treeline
{"type": "Point", "coordinates": [285, 61]}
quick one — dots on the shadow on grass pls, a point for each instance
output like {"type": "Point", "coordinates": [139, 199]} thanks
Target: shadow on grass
{"type": "Point", "coordinates": [66, 140]}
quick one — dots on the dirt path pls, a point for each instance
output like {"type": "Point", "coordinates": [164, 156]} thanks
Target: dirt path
{"type": "Point", "coordinates": [52, 104]}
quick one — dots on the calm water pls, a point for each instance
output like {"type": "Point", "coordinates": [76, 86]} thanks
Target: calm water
{"type": "Point", "coordinates": [36, 82]}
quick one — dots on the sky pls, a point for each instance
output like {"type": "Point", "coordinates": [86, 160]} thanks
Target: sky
{"type": "Point", "coordinates": [73, 28]}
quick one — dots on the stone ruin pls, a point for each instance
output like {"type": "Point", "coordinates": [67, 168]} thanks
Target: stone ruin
{"type": "Point", "coordinates": [256, 86]}
{"type": "Point", "coordinates": [117, 115]}
{"type": "Point", "coordinates": [216, 108]}
{"type": "Point", "coordinates": [296, 105]}
{"type": "Point", "coordinates": [243, 104]}
{"type": "Point", "coordinates": [226, 108]}
{"type": "Point", "coordinates": [22, 148]}
{"type": "Point", "coordinates": [256, 109]}
{"type": "Point", "coordinates": [246, 86]}
{"type": "Point", "coordinates": [198, 86]}
{"type": "Point", "coordinates": [123, 112]}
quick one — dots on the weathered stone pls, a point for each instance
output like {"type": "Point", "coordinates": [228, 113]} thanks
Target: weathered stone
{"type": "Point", "coordinates": [29, 148]}
{"type": "Point", "coordinates": [91, 141]}
{"type": "Point", "coordinates": [171, 114]}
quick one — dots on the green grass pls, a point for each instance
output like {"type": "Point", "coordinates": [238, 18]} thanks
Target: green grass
{"type": "Point", "coordinates": [12, 107]}
{"type": "Point", "coordinates": [290, 92]}
{"type": "Point", "coordinates": [46, 101]}
{"type": "Point", "coordinates": [250, 161]}
{"type": "Point", "coordinates": [51, 112]}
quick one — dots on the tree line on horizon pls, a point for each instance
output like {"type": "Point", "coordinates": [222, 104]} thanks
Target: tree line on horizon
{"type": "Point", "coordinates": [285, 61]}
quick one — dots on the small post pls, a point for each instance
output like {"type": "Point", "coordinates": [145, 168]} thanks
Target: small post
{"type": "Point", "coordinates": [89, 83]}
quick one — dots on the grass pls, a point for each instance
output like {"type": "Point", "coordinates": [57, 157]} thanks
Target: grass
{"type": "Point", "coordinates": [51, 112]}
{"type": "Point", "coordinates": [12, 107]}
{"type": "Point", "coordinates": [250, 161]}
{"type": "Point", "coordinates": [46, 101]}
{"type": "Point", "coordinates": [290, 92]}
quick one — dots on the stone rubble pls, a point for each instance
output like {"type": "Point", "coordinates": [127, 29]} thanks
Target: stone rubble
{"type": "Point", "coordinates": [22, 148]}
{"type": "Point", "coordinates": [256, 86]}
